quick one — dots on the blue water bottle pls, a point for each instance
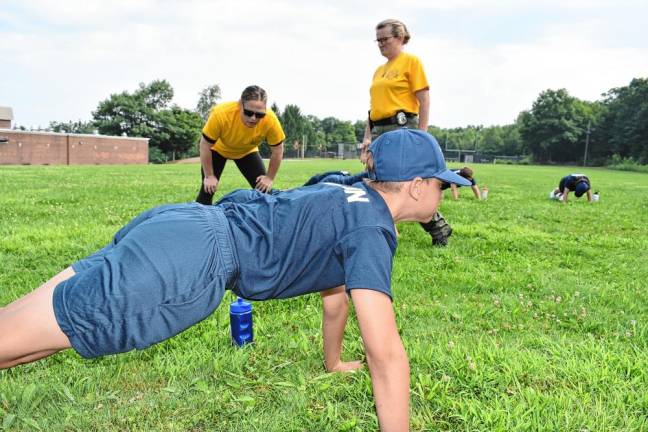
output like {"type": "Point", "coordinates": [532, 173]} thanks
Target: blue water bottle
{"type": "Point", "coordinates": [241, 322]}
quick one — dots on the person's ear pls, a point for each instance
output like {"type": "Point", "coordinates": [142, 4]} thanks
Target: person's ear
{"type": "Point", "coordinates": [416, 188]}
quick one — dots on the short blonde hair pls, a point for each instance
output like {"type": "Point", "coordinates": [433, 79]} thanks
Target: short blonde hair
{"type": "Point", "coordinates": [254, 92]}
{"type": "Point", "coordinates": [383, 186]}
{"type": "Point", "coordinates": [398, 29]}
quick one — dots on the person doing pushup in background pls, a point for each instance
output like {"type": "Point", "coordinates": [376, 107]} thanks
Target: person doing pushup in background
{"type": "Point", "coordinates": [578, 183]}
{"type": "Point", "coordinates": [466, 173]}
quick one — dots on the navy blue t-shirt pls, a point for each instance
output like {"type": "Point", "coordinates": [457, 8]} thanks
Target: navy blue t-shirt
{"type": "Point", "coordinates": [571, 181]}
{"type": "Point", "coordinates": [310, 239]}
{"type": "Point", "coordinates": [339, 177]}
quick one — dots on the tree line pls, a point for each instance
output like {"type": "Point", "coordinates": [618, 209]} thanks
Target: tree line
{"type": "Point", "coordinates": [558, 128]}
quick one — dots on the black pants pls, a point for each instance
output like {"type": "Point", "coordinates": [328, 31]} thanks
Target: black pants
{"type": "Point", "coordinates": [251, 166]}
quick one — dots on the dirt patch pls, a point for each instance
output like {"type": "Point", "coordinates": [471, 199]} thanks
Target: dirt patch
{"type": "Point", "coordinates": [187, 161]}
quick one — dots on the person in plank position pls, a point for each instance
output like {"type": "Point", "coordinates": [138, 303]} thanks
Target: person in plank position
{"type": "Point", "coordinates": [168, 269]}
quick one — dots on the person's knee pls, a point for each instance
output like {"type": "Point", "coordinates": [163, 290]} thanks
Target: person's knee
{"type": "Point", "coordinates": [16, 361]}
{"type": "Point", "coordinates": [7, 358]}
{"type": "Point", "coordinates": [6, 364]}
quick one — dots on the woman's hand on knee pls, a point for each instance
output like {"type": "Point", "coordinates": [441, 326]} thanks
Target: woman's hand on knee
{"type": "Point", "coordinates": [210, 184]}
{"type": "Point", "coordinates": [263, 183]}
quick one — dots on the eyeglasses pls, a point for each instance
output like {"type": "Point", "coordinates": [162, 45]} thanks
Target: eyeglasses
{"type": "Point", "coordinates": [250, 113]}
{"type": "Point", "coordinates": [383, 40]}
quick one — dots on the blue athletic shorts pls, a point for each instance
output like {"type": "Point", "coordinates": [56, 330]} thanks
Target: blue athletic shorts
{"type": "Point", "coordinates": [163, 272]}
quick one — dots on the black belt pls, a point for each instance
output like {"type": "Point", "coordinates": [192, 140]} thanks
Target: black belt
{"type": "Point", "coordinates": [400, 118]}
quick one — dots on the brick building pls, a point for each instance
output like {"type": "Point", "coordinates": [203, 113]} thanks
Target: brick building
{"type": "Point", "coordinates": [50, 148]}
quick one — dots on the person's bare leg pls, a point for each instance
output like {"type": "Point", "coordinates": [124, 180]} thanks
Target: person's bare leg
{"type": "Point", "coordinates": [28, 328]}
{"type": "Point", "coordinates": [60, 277]}
{"type": "Point", "coordinates": [31, 357]}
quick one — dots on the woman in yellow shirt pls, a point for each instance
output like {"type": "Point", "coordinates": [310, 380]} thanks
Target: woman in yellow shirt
{"type": "Point", "coordinates": [400, 95]}
{"type": "Point", "coordinates": [234, 131]}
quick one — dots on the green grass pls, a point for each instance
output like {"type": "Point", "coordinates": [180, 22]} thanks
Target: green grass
{"type": "Point", "coordinates": [532, 319]}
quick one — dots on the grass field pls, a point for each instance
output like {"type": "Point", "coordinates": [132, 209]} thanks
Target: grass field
{"type": "Point", "coordinates": [532, 319]}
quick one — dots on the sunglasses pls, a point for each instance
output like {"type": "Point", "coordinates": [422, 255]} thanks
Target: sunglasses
{"type": "Point", "coordinates": [383, 40]}
{"type": "Point", "coordinates": [250, 113]}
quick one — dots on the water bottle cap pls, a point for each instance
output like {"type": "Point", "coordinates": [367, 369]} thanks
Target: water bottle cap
{"type": "Point", "coordinates": [240, 306]}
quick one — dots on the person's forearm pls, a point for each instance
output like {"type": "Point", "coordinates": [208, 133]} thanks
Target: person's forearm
{"type": "Point", "coordinates": [455, 191]}
{"type": "Point", "coordinates": [390, 379]}
{"type": "Point", "coordinates": [275, 160]}
{"type": "Point", "coordinates": [335, 310]}
{"type": "Point", "coordinates": [565, 194]}
{"type": "Point", "coordinates": [206, 157]}
{"type": "Point", "coordinates": [366, 139]}
{"type": "Point", "coordinates": [386, 358]}
{"type": "Point", "coordinates": [423, 97]}
{"type": "Point", "coordinates": [475, 190]}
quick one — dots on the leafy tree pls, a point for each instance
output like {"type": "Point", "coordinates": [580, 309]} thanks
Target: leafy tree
{"type": "Point", "coordinates": [437, 133]}
{"type": "Point", "coordinates": [275, 108]}
{"type": "Point", "coordinates": [157, 95]}
{"type": "Point", "coordinates": [209, 97]}
{"type": "Point", "coordinates": [146, 113]}
{"type": "Point", "coordinates": [453, 138]}
{"type": "Point", "coordinates": [511, 143]}
{"type": "Point", "coordinates": [294, 125]}
{"type": "Point", "coordinates": [501, 140]}
{"type": "Point", "coordinates": [181, 128]}
{"type": "Point", "coordinates": [338, 131]}
{"type": "Point", "coordinates": [156, 156]}
{"type": "Point", "coordinates": [492, 140]}
{"type": "Point", "coordinates": [359, 127]}
{"type": "Point", "coordinates": [77, 127]}
{"type": "Point", "coordinates": [315, 136]}
{"type": "Point", "coordinates": [554, 128]}
{"type": "Point", "coordinates": [624, 121]}
{"type": "Point", "coordinates": [134, 114]}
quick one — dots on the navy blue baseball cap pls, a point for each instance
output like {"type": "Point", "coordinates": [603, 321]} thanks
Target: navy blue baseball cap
{"type": "Point", "coordinates": [404, 154]}
{"type": "Point", "coordinates": [581, 188]}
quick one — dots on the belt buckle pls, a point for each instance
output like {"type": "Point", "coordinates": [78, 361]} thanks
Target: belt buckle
{"type": "Point", "coordinates": [401, 118]}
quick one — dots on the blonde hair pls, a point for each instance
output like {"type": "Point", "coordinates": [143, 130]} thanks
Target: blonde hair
{"type": "Point", "coordinates": [254, 92]}
{"type": "Point", "coordinates": [384, 186]}
{"type": "Point", "coordinates": [398, 29]}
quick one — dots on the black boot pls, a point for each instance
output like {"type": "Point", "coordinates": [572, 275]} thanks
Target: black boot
{"type": "Point", "coordinates": [439, 229]}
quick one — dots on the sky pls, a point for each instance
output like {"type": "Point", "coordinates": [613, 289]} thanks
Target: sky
{"type": "Point", "coordinates": [486, 61]}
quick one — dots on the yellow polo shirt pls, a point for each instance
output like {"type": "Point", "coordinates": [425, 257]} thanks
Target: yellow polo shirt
{"type": "Point", "coordinates": [394, 86]}
{"type": "Point", "coordinates": [232, 139]}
